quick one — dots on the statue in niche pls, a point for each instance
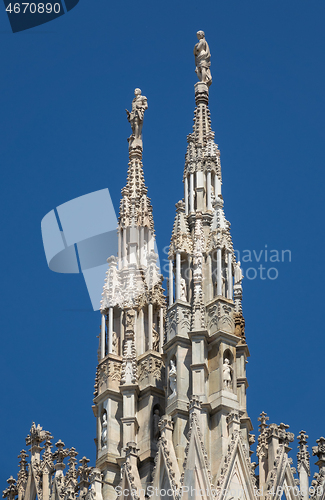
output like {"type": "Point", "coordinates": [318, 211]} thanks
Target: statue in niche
{"type": "Point", "coordinates": [114, 343]}
{"type": "Point", "coordinates": [104, 430]}
{"type": "Point", "coordinates": [172, 378]}
{"type": "Point", "coordinates": [155, 338]}
{"type": "Point", "coordinates": [135, 117]}
{"type": "Point", "coordinates": [227, 374]}
{"type": "Point", "coordinates": [156, 432]}
{"type": "Point", "coordinates": [238, 275]}
{"type": "Point", "coordinates": [202, 59]}
{"type": "Point", "coordinates": [183, 290]}
{"type": "Point", "coordinates": [129, 320]}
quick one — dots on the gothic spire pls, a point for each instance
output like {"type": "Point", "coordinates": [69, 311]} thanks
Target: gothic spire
{"type": "Point", "coordinates": [135, 206]}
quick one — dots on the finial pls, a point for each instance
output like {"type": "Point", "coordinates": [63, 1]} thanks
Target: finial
{"type": "Point", "coordinates": [11, 492]}
{"type": "Point", "coordinates": [319, 451]}
{"type": "Point", "coordinates": [202, 59]}
{"type": "Point", "coordinates": [263, 418]}
{"type": "Point", "coordinates": [303, 454]}
{"type": "Point", "coordinates": [135, 117]}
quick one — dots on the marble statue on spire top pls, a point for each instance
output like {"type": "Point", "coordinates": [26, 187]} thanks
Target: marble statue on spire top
{"type": "Point", "coordinates": [135, 117]}
{"type": "Point", "coordinates": [202, 59]}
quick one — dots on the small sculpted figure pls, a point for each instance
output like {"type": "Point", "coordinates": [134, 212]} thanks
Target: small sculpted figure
{"type": "Point", "coordinates": [128, 372]}
{"type": "Point", "coordinates": [238, 275]}
{"type": "Point", "coordinates": [156, 432]}
{"type": "Point", "coordinates": [135, 117]}
{"type": "Point", "coordinates": [202, 59]}
{"type": "Point", "coordinates": [227, 374]}
{"type": "Point", "coordinates": [114, 343]}
{"type": "Point", "coordinates": [172, 378]}
{"type": "Point", "coordinates": [183, 290]}
{"type": "Point", "coordinates": [155, 338]}
{"type": "Point", "coordinates": [104, 430]}
{"type": "Point", "coordinates": [129, 319]}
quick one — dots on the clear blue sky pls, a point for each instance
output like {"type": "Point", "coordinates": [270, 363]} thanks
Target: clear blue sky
{"type": "Point", "coordinates": [64, 89]}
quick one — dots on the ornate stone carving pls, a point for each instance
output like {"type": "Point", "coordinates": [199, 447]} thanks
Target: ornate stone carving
{"type": "Point", "coordinates": [202, 59]}
{"type": "Point", "coordinates": [240, 326]}
{"type": "Point", "coordinates": [151, 365]}
{"type": "Point", "coordinates": [108, 369]}
{"type": "Point", "coordinates": [198, 309]}
{"type": "Point", "coordinates": [129, 365]}
{"type": "Point", "coordinates": [319, 451]}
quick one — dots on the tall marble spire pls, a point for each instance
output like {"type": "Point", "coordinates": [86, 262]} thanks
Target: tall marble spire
{"type": "Point", "coordinates": [130, 373]}
{"type": "Point", "coordinates": [205, 325]}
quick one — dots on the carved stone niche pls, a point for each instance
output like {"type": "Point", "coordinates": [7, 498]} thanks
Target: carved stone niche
{"type": "Point", "coordinates": [220, 316]}
{"type": "Point", "coordinates": [178, 320]}
{"type": "Point", "coordinates": [151, 371]}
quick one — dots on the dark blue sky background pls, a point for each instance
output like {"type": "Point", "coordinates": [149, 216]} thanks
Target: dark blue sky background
{"type": "Point", "coordinates": [64, 89]}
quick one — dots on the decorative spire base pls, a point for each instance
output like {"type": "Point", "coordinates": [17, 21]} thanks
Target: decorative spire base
{"type": "Point", "coordinates": [201, 93]}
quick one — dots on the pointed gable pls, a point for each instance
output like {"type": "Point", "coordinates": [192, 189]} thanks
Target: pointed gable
{"type": "Point", "coordinates": [237, 473]}
{"type": "Point", "coordinates": [166, 475]}
{"type": "Point", "coordinates": [196, 478]}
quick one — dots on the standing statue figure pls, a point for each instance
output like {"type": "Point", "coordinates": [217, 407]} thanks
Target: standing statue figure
{"type": "Point", "coordinates": [156, 432]}
{"type": "Point", "coordinates": [155, 338]}
{"type": "Point", "coordinates": [183, 290]}
{"type": "Point", "coordinates": [114, 343]}
{"type": "Point", "coordinates": [104, 430]}
{"type": "Point", "coordinates": [226, 370]}
{"type": "Point", "coordinates": [172, 378]}
{"type": "Point", "coordinates": [202, 59]}
{"type": "Point", "coordinates": [135, 117]}
{"type": "Point", "coordinates": [238, 275]}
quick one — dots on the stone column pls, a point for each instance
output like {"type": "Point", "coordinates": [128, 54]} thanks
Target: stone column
{"type": "Point", "coordinates": [230, 281]}
{"type": "Point", "coordinates": [191, 193]}
{"type": "Point", "coordinates": [119, 236]}
{"type": "Point", "coordinates": [219, 272]}
{"type": "Point", "coordinates": [161, 329]}
{"type": "Point", "coordinates": [209, 204]}
{"type": "Point", "coordinates": [150, 320]}
{"type": "Point", "coordinates": [186, 194]}
{"type": "Point", "coordinates": [178, 276]}
{"type": "Point", "coordinates": [141, 246]}
{"type": "Point", "coordinates": [188, 279]}
{"type": "Point", "coordinates": [141, 340]}
{"type": "Point", "coordinates": [209, 277]}
{"type": "Point", "coordinates": [171, 283]}
{"type": "Point", "coordinates": [110, 330]}
{"type": "Point", "coordinates": [46, 483]}
{"type": "Point", "coordinates": [121, 333]}
{"type": "Point", "coordinates": [124, 251]}
{"type": "Point", "coordinates": [217, 186]}
{"type": "Point", "coordinates": [102, 338]}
